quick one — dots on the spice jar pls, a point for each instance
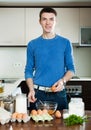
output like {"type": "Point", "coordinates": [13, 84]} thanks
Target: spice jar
{"type": "Point", "coordinates": [76, 106]}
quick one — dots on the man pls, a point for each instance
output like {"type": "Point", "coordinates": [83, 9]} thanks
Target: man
{"type": "Point", "coordinates": [49, 63]}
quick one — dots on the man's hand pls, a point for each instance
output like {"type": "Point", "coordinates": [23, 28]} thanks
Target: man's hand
{"type": "Point", "coordinates": [59, 86]}
{"type": "Point", "coordinates": [31, 96]}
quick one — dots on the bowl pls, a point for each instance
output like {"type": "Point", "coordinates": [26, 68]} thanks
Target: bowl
{"type": "Point", "coordinates": [48, 105]}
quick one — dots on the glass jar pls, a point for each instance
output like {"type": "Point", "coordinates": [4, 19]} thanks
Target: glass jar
{"type": "Point", "coordinates": [76, 106]}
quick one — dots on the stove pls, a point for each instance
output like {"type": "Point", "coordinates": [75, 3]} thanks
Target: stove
{"type": "Point", "coordinates": [73, 91]}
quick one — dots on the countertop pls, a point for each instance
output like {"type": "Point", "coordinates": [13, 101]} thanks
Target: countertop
{"type": "Point", "coordinates": [55, 124]}
{"type": "Point", "coordinates": [81, 79]}
{"type": "Point", "coordinates": [10, 88]}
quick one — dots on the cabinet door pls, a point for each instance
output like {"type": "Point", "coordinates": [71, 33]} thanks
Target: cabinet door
{"type": "Point", "coordinates": [12, 26]}
{"type": "Point", "coordinates": [68, 23]}
{"type": "Point", "coordinates": [33, 28]}
{"type": "Point", "coordinates": [85, 17]}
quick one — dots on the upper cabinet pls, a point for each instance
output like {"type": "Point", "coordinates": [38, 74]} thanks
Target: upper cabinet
{"type": "Point", "coordinates": [12, 26]}
{"type": "Point", "coordinates": [68, 23]}
{"type": "Point", "coordinates": [85, 17]}
{"type": "Point", "coordinates": [33, 28]}
{"type": "Point", "coordinates": [20, 25]}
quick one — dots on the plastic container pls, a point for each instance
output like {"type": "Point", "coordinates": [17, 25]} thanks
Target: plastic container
{"type": "Point", "coordinates": [76, 106]}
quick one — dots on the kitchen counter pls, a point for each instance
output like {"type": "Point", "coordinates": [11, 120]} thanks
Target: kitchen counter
{"type": "Point", "coordinates": [81, 79]}
{"type": "Point", "coordinates": [11, 86]}
{"type": "Point", "coordinates": [56, 124]}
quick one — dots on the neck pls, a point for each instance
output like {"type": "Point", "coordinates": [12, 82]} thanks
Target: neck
{"type": "Point", "coordinates": [48, 36]}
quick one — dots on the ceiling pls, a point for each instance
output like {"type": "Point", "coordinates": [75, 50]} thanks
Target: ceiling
{"type": "Point", "coordinates": [45, 2]}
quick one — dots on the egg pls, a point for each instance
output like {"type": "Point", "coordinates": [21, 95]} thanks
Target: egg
{"type": "Point", "coordinates": [39, 111]}
{"type": "Point", "coordinates": [58, 114]}
{"type": "Point", "coordinates": [44, 111]}
{"type": "Point", "coordinates": [51, 111]}
{"type": "Point", "coordinates": [34, 112]}
{"type": "Point", "coordinates": [53, 88]}
{"type": "Point", "coordinates": [14, 115]}
{"type": "Point", "coordinates": [19, 116]}
{"type": "Point", "coordinates": [24, 116]}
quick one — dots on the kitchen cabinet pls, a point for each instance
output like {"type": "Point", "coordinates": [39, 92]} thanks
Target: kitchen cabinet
{"type": "Point", "coordinates": [20, 25]}
{"type": "Point", "coordinates": [12, 26]}
{"type": "Point", "coordinates": [85, 17]}
{"type": "Point", "coordinates": [33, 29]}
{"type": "Point", "coordinates": [68, 23]}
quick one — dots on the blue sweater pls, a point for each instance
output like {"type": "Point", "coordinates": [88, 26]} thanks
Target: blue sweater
{"type": "Point", "coordinates": [48, 60]}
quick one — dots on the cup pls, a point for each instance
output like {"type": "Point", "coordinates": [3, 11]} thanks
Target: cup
{"type": "Point", "coordinates": [65, 113]}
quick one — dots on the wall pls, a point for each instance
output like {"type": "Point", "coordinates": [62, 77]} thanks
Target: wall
{"type": "Point", "coordinates": [12, 62]}
{"type": "Point", "coordinates": [82, 57]}
{"type": "Point", "coordinates": [13, 59]}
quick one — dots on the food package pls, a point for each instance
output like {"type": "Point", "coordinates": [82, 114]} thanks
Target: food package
{"type": "Point", "coordinates": [5, 116]}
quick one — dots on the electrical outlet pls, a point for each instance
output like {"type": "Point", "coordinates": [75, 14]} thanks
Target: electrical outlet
{"type": "Point", "coordinates": [17, 64]}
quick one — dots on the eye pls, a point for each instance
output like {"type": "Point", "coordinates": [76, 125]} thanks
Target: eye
{"type": "Point", "coordinates": [51, 19]}
{"type": "Point", "coordinates": [43, 19]}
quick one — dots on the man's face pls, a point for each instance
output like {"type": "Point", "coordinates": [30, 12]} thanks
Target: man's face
{"type": "Point", "coordinates": [48, 22]}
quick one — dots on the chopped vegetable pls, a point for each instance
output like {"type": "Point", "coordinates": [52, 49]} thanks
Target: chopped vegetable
{"type": "Point", "coordinates": [74, 119]}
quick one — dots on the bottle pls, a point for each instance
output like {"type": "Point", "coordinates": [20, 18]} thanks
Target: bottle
{"type": "Point", "coordinates": [1, 87]}
{"type": "Point", "coordinates": [21, 103]}
{"type": "Point", "coordinates": [76, 106]}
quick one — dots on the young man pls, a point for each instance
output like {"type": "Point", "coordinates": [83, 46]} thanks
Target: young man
{"type": "Point", "coordinates": [49, 63]}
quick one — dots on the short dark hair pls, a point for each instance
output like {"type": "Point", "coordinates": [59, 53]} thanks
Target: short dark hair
{"type": "Point", "coordinates": [47, 10]}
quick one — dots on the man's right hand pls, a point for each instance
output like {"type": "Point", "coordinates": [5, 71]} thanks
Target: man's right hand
{"type": "Point", "coordinates": [31, 96]}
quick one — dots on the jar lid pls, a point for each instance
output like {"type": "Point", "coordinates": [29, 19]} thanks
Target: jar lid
{"type": "Point", "coordinates": [76, 99]}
